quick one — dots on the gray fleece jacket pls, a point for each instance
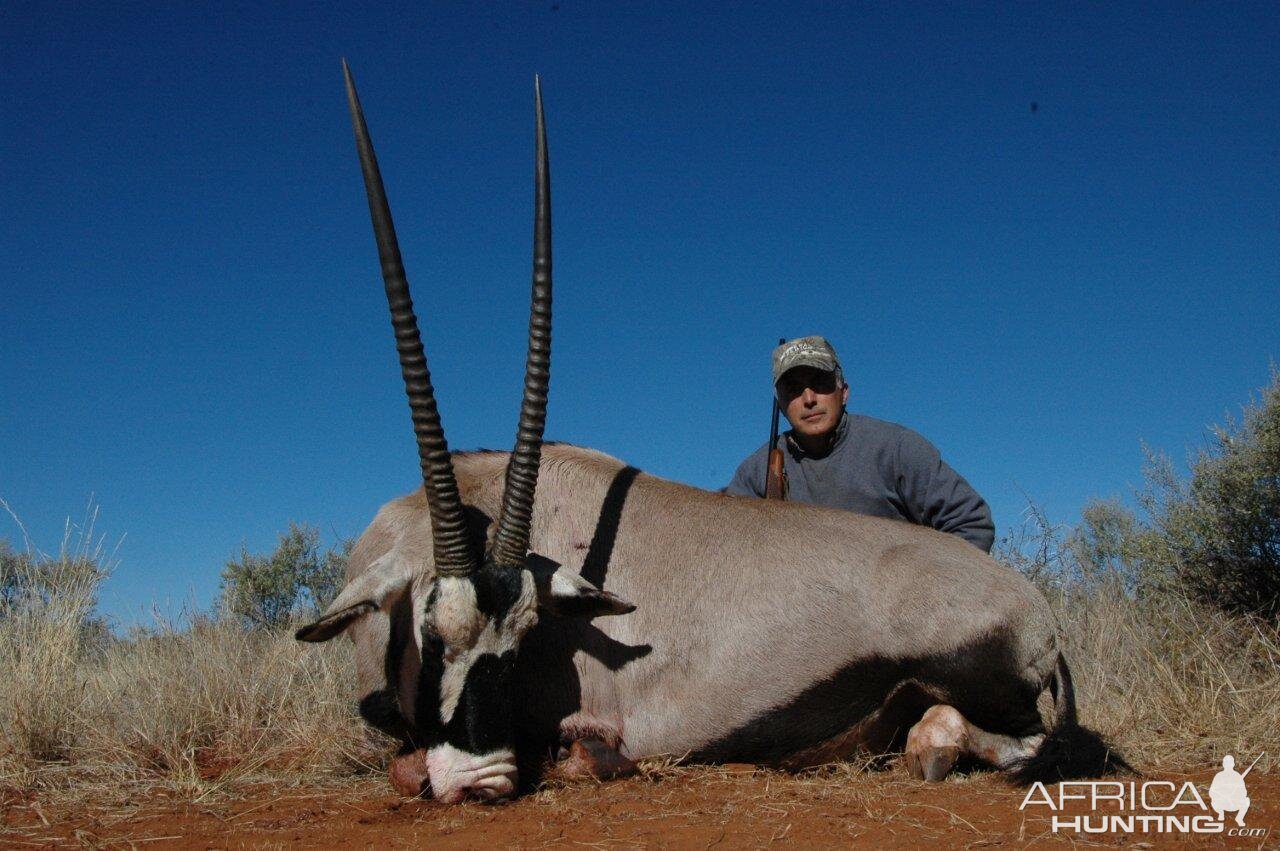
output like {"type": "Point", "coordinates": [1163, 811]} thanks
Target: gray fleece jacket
{"type": "Point", "coordinates": [877, 468]}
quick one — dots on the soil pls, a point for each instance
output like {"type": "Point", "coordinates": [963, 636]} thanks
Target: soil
{"type": "Point", "coordinates": [714, 807]}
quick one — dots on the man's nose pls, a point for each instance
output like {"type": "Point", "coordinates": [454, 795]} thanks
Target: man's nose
{"type": "Point", "coordinates": [808, 396]}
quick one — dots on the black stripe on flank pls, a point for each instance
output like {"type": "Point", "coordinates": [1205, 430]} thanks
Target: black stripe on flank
{"type": "Point", "coordinates": [596, 565]}
{"type": "Point", "coordinates": [981, 679]}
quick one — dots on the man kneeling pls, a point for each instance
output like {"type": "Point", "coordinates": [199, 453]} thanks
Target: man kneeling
{"type": "Point", "coordinates": [855, 462]}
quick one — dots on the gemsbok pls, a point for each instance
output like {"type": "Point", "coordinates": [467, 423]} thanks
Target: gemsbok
{"type": "Point", "coordinates": [751, 630]}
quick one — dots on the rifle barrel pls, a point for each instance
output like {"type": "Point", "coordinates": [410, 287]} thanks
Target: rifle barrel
{"type": "Point", "coordinates": [774, 489]}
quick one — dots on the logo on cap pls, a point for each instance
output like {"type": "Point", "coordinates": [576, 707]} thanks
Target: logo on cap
{"type": "Point", "coordinates": [804, 351]}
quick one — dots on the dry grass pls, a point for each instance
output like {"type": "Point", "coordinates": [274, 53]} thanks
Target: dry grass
{"type": "Point", "coordinates": [208, 708]}
{"type": "Point", "coordinates": [43, 618]}
{"type": "Point", "coordinates": [196, 708]}
{"type": "Point", "coordinates": [214, 702]}
{"type": "Point", "coordinates": [1172, 683]}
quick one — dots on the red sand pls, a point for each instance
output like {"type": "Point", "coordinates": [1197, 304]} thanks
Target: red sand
{"type": "Point", "coordinates": [724, 807]}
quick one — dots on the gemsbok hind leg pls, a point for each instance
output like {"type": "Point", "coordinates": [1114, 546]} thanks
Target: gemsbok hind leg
{"type": "Point", "coordinates": [943, 735]}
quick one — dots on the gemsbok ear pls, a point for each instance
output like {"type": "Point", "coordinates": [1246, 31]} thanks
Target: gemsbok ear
{"type": "Point", "coordinates": [385, 578]}
{"type": "Point", "coordinates": [566, 594]}
{"type": "Point", "coordinates": [331, 624]}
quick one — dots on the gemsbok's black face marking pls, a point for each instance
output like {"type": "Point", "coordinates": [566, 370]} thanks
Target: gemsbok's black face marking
{"type": "Point", "coordinates": [470, 629]}
{"type": "Point", "coordinates": [469, 613]}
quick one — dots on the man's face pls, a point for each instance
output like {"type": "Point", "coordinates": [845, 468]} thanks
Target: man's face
{"type": "Point", "coordinates": [812, 399]}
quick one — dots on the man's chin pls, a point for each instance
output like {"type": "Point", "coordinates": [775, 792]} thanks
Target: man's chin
{"type": "Point", "coordinates": [815, 428]}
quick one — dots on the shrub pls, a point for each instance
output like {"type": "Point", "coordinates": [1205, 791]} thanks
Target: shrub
{"type": "Point", "coordinates": [1221, 535]}
{"type": "Point", "coordinates": [28, 578]}
{"type": "Point", "coordinates": [294, 581]}
{"type": "Point", "coordinates": [1216, 537]}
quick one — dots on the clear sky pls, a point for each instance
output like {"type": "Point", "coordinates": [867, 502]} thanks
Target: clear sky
{"type": "Point", "coordinates": [1040, 234]}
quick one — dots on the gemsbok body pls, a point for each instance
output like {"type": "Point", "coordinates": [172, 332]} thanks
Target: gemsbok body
{"type": "Point", "coordinates": [742, 629]}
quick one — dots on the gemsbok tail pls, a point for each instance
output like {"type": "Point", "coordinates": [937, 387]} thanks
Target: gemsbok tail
{"type": "Point", "coordinates": [1069, 751]}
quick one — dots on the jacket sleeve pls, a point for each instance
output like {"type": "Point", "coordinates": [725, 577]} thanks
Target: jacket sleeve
{"type": "Point", "coordinates": [749, 479]}
{"type": "Point", "coordinates": [936, 495]}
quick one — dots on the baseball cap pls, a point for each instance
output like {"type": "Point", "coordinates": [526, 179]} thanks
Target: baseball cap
{"type": "Point", "coordinates": [804, 351]}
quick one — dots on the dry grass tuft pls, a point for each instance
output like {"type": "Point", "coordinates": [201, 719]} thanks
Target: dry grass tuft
{"type": "Point", "coordinates": [199, 708]}
{"type": "Point", "coordinates": [45, 631]}
{"type": "Point", "coordinates": [1173, 683]}
{"type": "Point", "coordinates": [214, 705]}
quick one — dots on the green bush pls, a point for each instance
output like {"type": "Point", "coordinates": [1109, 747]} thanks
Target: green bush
{"type": "Point", "coordinates": [1216, 537]}
{"type": "Point", "coordinates": [295, 581]}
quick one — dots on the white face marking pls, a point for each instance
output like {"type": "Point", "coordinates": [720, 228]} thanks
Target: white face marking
{"type": "Point", "coordinates": [455, 616]}
{"type": "Point", "coordinates": [486, 639]}
{"type": "Point", "coordinates": [454, 773]}
{"type": "Point", "coordinates": [562, 585]}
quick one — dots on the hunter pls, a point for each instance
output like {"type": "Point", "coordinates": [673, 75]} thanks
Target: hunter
{"type": "Point", "coordinates": [855, 462]}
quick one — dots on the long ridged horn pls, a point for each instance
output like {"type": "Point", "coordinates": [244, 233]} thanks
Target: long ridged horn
{"type": "Point", "coordinates": [454, 554]}
{"type": "Point", "coordinates": [511, 541]}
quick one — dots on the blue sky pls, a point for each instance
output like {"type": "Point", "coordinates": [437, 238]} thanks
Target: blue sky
{"type": "Point", "coordinates": [193, 329]}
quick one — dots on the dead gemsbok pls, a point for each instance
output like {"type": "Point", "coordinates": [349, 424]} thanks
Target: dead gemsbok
{"type": "Point", "coordinates": [759, 631]}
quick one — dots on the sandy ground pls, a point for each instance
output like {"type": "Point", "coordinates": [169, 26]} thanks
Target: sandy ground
{"type": "Point", "coordinates": [711, 807]}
